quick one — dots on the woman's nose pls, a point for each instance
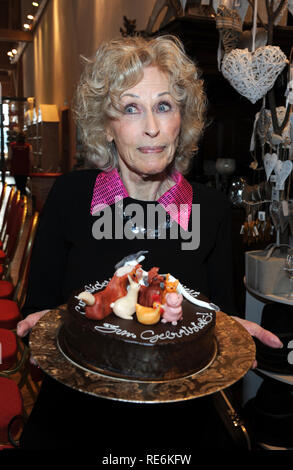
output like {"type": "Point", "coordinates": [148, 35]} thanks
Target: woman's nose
{"type": "Point", "coordinates": [151, 125]}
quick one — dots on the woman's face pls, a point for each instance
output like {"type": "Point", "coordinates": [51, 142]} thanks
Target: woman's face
{"type": "Point", "coordinates": [146, 135]}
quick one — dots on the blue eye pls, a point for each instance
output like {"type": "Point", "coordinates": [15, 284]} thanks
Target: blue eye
{"type": "Point", "coordinates": [163, 107]}
{"type": "Point", "coordinates": [130, 109]}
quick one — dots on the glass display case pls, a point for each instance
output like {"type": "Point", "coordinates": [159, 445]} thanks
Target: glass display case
{"type": "Point", "coordinates": [42, 130]}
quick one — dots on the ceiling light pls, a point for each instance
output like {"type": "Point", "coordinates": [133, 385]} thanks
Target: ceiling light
{"type": "Point", "coordinates": [30, 17]}
{"type": "Point", "coordinates": [26, 26]}
{"type": "Point", "coordinates": [35, 4]}
{"type": "Point", "coordinates": [10, 54]}
{"type": "Point", "coordinates": [14, 51]}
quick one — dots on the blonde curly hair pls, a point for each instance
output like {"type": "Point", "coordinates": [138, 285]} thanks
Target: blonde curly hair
{"type": "Point", "coordinates": [118, 66]}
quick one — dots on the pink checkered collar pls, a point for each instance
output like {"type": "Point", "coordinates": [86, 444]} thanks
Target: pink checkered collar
{"type": "Point", "coordinates": [109, 189]}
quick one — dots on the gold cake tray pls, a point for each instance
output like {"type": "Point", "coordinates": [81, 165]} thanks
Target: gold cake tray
{"type": "Point", "coordinates": [234, 356]}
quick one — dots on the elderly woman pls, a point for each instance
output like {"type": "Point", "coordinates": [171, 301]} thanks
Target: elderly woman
{"type": "Point", "coordinates": [141, 107]}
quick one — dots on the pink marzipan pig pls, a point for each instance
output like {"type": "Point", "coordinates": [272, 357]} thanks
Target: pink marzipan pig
{"type": "Point", "coordinates": [172, 308]}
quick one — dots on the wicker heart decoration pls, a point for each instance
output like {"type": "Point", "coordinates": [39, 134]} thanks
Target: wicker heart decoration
{"type": "Point", "coordinates": [253, 74]}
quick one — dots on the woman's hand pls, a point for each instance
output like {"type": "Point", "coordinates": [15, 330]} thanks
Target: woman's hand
{"type": "Point", "coordinates": [263, 335]}
{"type": "Point", "coordinates": [25, 326]}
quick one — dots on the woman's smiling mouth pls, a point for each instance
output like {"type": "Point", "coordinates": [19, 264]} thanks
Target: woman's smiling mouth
{"type": "Point", "coordinates": [152, 149]}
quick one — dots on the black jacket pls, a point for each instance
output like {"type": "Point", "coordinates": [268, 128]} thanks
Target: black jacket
{"type": "Point", "coordinates": [66, 255]}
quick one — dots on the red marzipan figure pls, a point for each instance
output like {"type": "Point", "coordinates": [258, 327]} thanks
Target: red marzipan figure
{"type": "Point", "coordinates": [153, 292]}
{"type": "Point", "coordinates": [116, 288]}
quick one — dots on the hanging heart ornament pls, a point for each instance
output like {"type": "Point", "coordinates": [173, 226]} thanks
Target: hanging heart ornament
{"type": "Point", "coordinates": [269, 160]}
{"type": "Point", "coordinates": [253, 74]}
{"type": "Point", "coordinates": [282, 171]}
{"type": "Point", "coordinates": [264, 127]}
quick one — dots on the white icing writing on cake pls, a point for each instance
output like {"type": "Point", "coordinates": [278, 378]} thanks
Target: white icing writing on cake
{"type": "Point", "coordinates": [108, 328]}
{"type": "Point", "coordinates": [97, 286]}
{"type": "Point", "coordinates": [81, 304]}
{"type": "Point", "coordinates": [151, 337]}
{"type": "Point", "coordinates": [91, 288]}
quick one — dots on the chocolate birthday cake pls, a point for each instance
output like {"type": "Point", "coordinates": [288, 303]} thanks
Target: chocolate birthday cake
{"type": "Point", "coordinates": [139, 326]}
